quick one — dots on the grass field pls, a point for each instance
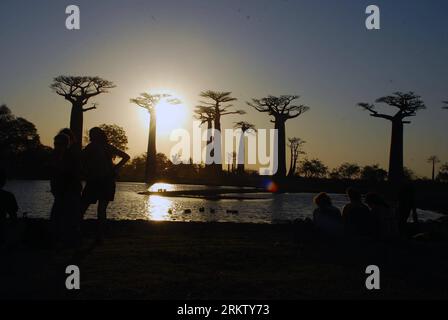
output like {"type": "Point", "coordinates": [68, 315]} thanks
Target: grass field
{"type": "Point", "coordinates": [143, 260]}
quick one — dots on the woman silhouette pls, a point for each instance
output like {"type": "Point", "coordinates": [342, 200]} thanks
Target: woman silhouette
{"type": "Point", "coordinates": [100, 173]}
{"type": "Point", "coordinates": [66, 188]}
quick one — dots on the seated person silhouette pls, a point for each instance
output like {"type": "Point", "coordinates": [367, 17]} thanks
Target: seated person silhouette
{"type": "Point", "coordinates": [386, 221]}
{"type": "Point", "coordinates": [356, 215]}
{"type": "Point", "coordinates": [326, 217]}
{"type": "Point", "coordinates": [8, 206]}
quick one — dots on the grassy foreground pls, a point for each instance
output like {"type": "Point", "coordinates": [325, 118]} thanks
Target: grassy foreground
{"type": "Point", "coordinates": [143, 260]}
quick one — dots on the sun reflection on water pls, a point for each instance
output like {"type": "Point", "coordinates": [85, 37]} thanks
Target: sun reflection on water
{"type": "Point", "coordinates": [161, 186]}
{"type": "Point", "coordinates": [159, 208]}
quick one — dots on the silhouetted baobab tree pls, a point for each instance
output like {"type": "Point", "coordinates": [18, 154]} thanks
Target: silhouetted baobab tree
{"type": "Point", "coordinates": [245, 127]}
{"type": "Point", "coordinates": [149, 102]}
{"type": "Point", "coordinates": [281, 109]}
{"type": "Point", "coordinates": [220, 102]}
{"type": "Point", "coordinates": [295, 146]}
{"type": "Point", "coordinates": [433, 160]}
{"type": "Point", "coordinates": [78, 91]}
{"type": "Point", "coordinates": [408, 104]}
{"type": "Point", "coordinates": [206, 115]}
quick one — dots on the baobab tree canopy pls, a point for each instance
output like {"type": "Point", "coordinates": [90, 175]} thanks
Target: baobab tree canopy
{"type": "Point", "coordinates": [149, 101]}
{"type": "Point", "coordinates": [80, 89]}
{"type": "Point", "coordinates": [280, 108]}
{"type": "Point", "coordinates": [204, 114]}
{"type": "Point", "coordinates": [219, 100]}
{"type": "Point", "coordinates": [408, 104]}
{"type": "Point", "coordinates": [220, 104]}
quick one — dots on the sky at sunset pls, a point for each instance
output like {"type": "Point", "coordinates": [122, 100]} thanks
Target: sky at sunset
{"type": "Point", "coordinates": [320, 50]}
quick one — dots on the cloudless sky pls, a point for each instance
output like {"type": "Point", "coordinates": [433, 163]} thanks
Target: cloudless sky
{"type": "Point", "coordinates": [319, 49]}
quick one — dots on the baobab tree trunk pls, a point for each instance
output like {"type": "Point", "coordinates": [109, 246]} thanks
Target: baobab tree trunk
{"type": "Point", "coordinates": [281, 166]}
{"type": "Point", "coordinates": [294, 166]}
{"type": "Point", "coordinates": [290, 174]}
{"type": "Point", "coordinates": [241, 158]}
{"type": "Point", "coordinates": [396, 152]}
{"type": "Point", "coordinates": [217, 145]}
{"type": "Point", "coordinates": [76, 122]}
{"type": "Point", "coordinates": [209, 167]}
{"type": "Point", "coordinates": [151, 164]}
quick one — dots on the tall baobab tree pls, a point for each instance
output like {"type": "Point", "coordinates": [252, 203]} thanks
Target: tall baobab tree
{"type": "Point", "coordinates": [281, 109]}
{"type": "Point", "coordinates": [433, 160]}
{"type": "Point", "coordinates": [149, 102]}
{"type": "Point", "coordinates": [295, 146]}
{"type": "Point", "coordinates": [221, 104]}
{"type": "Point", "coordinates": [206, 115]}
{"type": "Point", "coordinates": [408, 104]}
{"type": "Point", "coordinates": [78, 91]}
{"type": "Point", "coordinates": [245, 127]}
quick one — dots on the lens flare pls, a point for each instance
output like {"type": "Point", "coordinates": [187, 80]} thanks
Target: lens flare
{"type": "Point", "coordinates": [271, 186]}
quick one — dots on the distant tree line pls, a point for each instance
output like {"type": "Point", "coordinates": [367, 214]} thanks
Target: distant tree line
{"type": "Point", "coordinates": [22, 155]}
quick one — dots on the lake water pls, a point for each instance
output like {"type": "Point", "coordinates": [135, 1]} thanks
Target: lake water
{"type": "Point", "coordinates": [34, 197]}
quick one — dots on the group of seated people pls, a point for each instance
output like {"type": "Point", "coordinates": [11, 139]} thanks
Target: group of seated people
{"type": "Point", "coordinates": [374, 218]}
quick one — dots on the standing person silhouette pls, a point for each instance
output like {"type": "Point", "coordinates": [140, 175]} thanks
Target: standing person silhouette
{"type": "Point", "coordinates": [66, 188]}
{"type": "Point", "coordinates": [73, 144]}
{"type": "Point", "coordinates": [100, 173]}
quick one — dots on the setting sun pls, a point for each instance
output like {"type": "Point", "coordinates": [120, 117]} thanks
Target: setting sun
{"type": "Point", "coordinates": [169, 116]}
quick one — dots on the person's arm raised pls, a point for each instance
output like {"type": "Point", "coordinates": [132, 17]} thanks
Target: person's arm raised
{"type": "Point", "coordinates": [124, 158]}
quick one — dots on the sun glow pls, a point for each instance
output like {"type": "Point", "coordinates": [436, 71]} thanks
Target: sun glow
{"type": "Point", "coordinates": [169, 116]}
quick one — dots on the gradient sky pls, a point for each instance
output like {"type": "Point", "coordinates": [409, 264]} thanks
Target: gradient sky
{"type": "Point", "coordinates": [320, 50]}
